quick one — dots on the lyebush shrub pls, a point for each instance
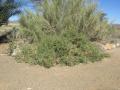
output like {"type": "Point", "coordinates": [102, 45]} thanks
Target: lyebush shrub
{"type": "Point", "coordinates": [59, 49]}
{"type": "Point", "coordinates": [61, 31]}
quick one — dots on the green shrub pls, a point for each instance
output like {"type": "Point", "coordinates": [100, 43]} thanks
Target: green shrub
{"type": "Point", "coordinates": [53, 50]}
{"type": "Point", "coordinates": [60, 15]}
{"type": "Point", "coordinates": [62, 34]}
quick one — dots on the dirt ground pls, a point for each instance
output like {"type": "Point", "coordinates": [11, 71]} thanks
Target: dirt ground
{"type": "Point", "coordinates": [103, 75]}
{"type": "Point", "coordinates": [4, 47]}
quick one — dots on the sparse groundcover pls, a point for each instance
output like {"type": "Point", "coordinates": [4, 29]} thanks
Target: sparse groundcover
{"type": "Point", "coordinates": [60, 32]}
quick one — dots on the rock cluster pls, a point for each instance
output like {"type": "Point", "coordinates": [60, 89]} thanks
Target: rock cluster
{"type": "Point", "coordinates": [109, 46]}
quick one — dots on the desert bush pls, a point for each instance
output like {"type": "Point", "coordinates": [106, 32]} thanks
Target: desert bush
{"type": "Point", "coordinates": [61, 31]}
{"type": "Point", "coordinates": [68, 48]}
{"type": "Point", "coordinates": [60, 15]}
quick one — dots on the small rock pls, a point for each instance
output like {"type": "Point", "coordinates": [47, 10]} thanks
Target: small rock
{"type": "Point", "coordinates": [16, 51]}
{"type": "Point", "coordinates": [117, 44]}
{"type": "Point", "coordinates": [113, 46]}
{"type": "Point", "coordinates": [29, 88]}
{"type": "Point", "coordinates": [109, 46]}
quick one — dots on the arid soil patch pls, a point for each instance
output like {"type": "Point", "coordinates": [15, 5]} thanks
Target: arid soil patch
{"type": "Point", "coordinates": [104, 75]}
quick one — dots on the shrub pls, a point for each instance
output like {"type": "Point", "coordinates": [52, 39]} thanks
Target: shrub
{"type": "Point", "coordinates": [59, 15]}
{"type": "Point", "coordinates": [59, 49]}
{"type": "Point", "coordinates": [61, 32]}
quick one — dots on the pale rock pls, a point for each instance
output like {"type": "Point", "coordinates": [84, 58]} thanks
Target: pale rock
{"type": "Point", "coordinates": [16, 51]}
{"type": "Point", "coordinates": [29, 88]}
{"type": "Point", "coordinates": [117, 44]}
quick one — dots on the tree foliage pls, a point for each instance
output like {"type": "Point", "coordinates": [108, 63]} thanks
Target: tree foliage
{"type": "Point", "coordinates": [8, 8]}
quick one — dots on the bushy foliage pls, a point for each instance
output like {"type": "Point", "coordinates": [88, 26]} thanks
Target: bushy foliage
{"type": "Point", "coordinates": [60, 33]}
{"type": "Point", "coordinates": [61, 49]}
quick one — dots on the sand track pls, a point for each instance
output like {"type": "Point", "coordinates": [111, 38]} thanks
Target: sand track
{"type": "Point", "coordinates": [104, 75]}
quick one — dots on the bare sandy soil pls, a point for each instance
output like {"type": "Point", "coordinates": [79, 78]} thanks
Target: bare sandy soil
{"type": "Point", "coordinates": [104, 75]}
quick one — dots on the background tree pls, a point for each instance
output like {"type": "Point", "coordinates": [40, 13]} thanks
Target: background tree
{"type": "Point", "coordinates": [8, 8]}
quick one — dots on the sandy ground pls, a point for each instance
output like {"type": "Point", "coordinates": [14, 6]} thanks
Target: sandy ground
{"type": "Point", "coordinates": [4, 47]}
{"type": "Point", "coordinates": [104, 75]}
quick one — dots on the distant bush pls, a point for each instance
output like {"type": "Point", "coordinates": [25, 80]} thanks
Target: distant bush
{"type": "Point", "coordinates": [60, 33]}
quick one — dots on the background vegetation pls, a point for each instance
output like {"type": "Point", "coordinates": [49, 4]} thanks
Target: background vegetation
{"type": "Point", "coordinates": [8, 8]}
